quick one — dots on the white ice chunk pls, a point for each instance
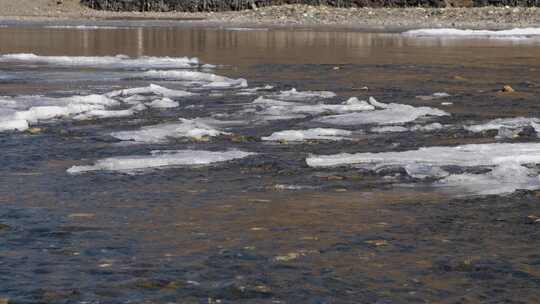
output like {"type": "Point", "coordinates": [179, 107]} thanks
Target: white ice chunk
{"type": "Point", "coordinates": [310, 134]}
{"type": "Point", "coordinates": [164, 103]}
{"type": "Point", "coordinates": [17, 113]}
{"type": "Point", "coordinates": [151, 89]}
{"type": "Point", "coordinates": [161, 132]}
{"type": "Point", "coordinates": [389, 129]}
{"type": "Point", "coordinates": [273, 109]}
{"type": "Point", "coordinates": [507, 127]}
{"type": "Point", "coordinates": [293, 94]}
{"type": "Point", "coordinates": [14, 124]}
{"type": "Point", "coordinates": [208, 79]}
{"type": "Point", "coordinates": [392, 113]}
{"type": "Point", "coordinates": [119, 61]}
{"type": "Point", "coordinates": [451, 32]}
{"type": "Point", "coordinates": [160, 159]}
{"type": "Point", "coordinates": [506, 161]}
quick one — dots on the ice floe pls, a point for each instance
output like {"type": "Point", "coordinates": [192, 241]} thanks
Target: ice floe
{"type": "Point", "coordinates": [309, 134]}
{"type": "Point", "coordinates": [163, 103]}
{"type": "Point", "coordinates": [507, 127]}
{"type": "Point", "coordinates": [437, 95]}
{"type": "Point", "coordinates": [160, 159]}
{"type": "Point", "coordinates": [208, 80]}
{"type": "Point", "coordinates": [273, 109]}
{"type": "Point", "coordinates": [293, 94]}
{"type": "Point", "coordinates": [391, 129]}
{"type": "Point", "coordinates": [383, 114]}
{"type": "Point", "coordinates": [511, 165]}
{"type": "Point", "coordinates": [85, 27]}
{"type": "Point", "coordinates": [452, 32]}
{"type": "Point", "coordinates": [109, 62]}
{"type": "Point", "coordinates": [195, 129]}
{"type": "Point", "coordinates": [18, 113]}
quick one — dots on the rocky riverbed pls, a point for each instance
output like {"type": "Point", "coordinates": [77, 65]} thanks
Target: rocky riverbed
{"type": "Point", "coordinates": [292, 16]}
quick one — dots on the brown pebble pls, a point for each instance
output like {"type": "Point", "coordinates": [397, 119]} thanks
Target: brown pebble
{"type": "Point", "coordinates": [508, 89]}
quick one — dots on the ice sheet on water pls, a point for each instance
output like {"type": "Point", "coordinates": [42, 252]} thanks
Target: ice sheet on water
{"type": "Point", "coordinates": [309, 134]}
{"type": "Point", "coordinates": [160, 133]}
{"type": "Point", "coordinates": [507, 163]}
{"type": "Point", "coordinates": [273, 109]}
{"type": "Point", "coordinates": [163, 103]}
{"type": "Point", "coordinates": [424, 128]}
{"type": "Point", "coordinates": [18, 113]}
{"type": "Point", "coordinates": [437, 95]}
{"type": "Point", "coordinates": [151, 89]}
{"type": "Point", "coordinates": [507, 127]}
{"type": "Point", "coordinates": [85, 27]}
{"type": "Point", "coordinates": [208, 80]}
{"type": "Point", "coordinates": [295, 95]}
{"type": "Point", "coordinates": [384, 114]}
{"type": "Point", "coordinates": [452, 32]}
{"type": "Point", "coordinates": [109, 62]}
{"type": "Point", "coordinates": [160, 159]}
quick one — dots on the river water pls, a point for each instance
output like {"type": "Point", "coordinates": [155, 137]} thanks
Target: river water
{"type": "Point", "coordinates": [207, 165]}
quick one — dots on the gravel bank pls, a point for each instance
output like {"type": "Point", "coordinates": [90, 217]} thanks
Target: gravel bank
{"type": "Point", "coordinates": [292, 16]}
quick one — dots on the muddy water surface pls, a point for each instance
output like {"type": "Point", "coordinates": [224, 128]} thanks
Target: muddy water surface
{"type": "Point", "coordinates": [266, 228]}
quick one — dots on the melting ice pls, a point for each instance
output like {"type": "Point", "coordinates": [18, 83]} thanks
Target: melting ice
{"type": "Point", "coordinates": [109, 62]}
{"type": "Point", "coordinates": [512, 165]}
{"type": "Point", "coordinates": [507, 127]}
{"type": "Point", "coordinates": [209, 80]}
{"type": "Point", "coordinates": [160, 133]}
{"type": "Point", "coordinates": [383, 114]}
{"type": "Point", "coordinates": [160, 159]}
{"type": "Point", "coordinates": [310, 134]}
{"type": "Point", "coordinates": [451, 32]}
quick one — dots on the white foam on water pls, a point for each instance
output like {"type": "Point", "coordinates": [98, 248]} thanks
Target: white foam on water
{"type": "Point", "coordinates": [506, 161]}
{"type": "Point", "coordinates": [293, 95]}
{"type": "Point", "coordinates": [519, 33]}
{"type": "Point", "coordinates": [160, 160]}
{"type": "Point", "coordinates": [118, 61]}
{"type": "Point", "coordinates": [164, 103]}
{"type": "Point", "coordinates": [309, 134]}
{"type": "Point", "coordinates": [384, 114]}
{"type": "Point", "coordinates": [162, 132]}
{"type": "Point", "coordinates": [208, 80]}
{"type": "Point", "coordinates": [507, 127]}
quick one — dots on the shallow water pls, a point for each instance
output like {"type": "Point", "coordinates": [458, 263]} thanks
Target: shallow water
{"type": "Point", "coordinates": [266, 227]}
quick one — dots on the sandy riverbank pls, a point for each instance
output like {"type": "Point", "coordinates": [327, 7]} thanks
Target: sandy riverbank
{"type": "Point", "coordinates": [291, 16]}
